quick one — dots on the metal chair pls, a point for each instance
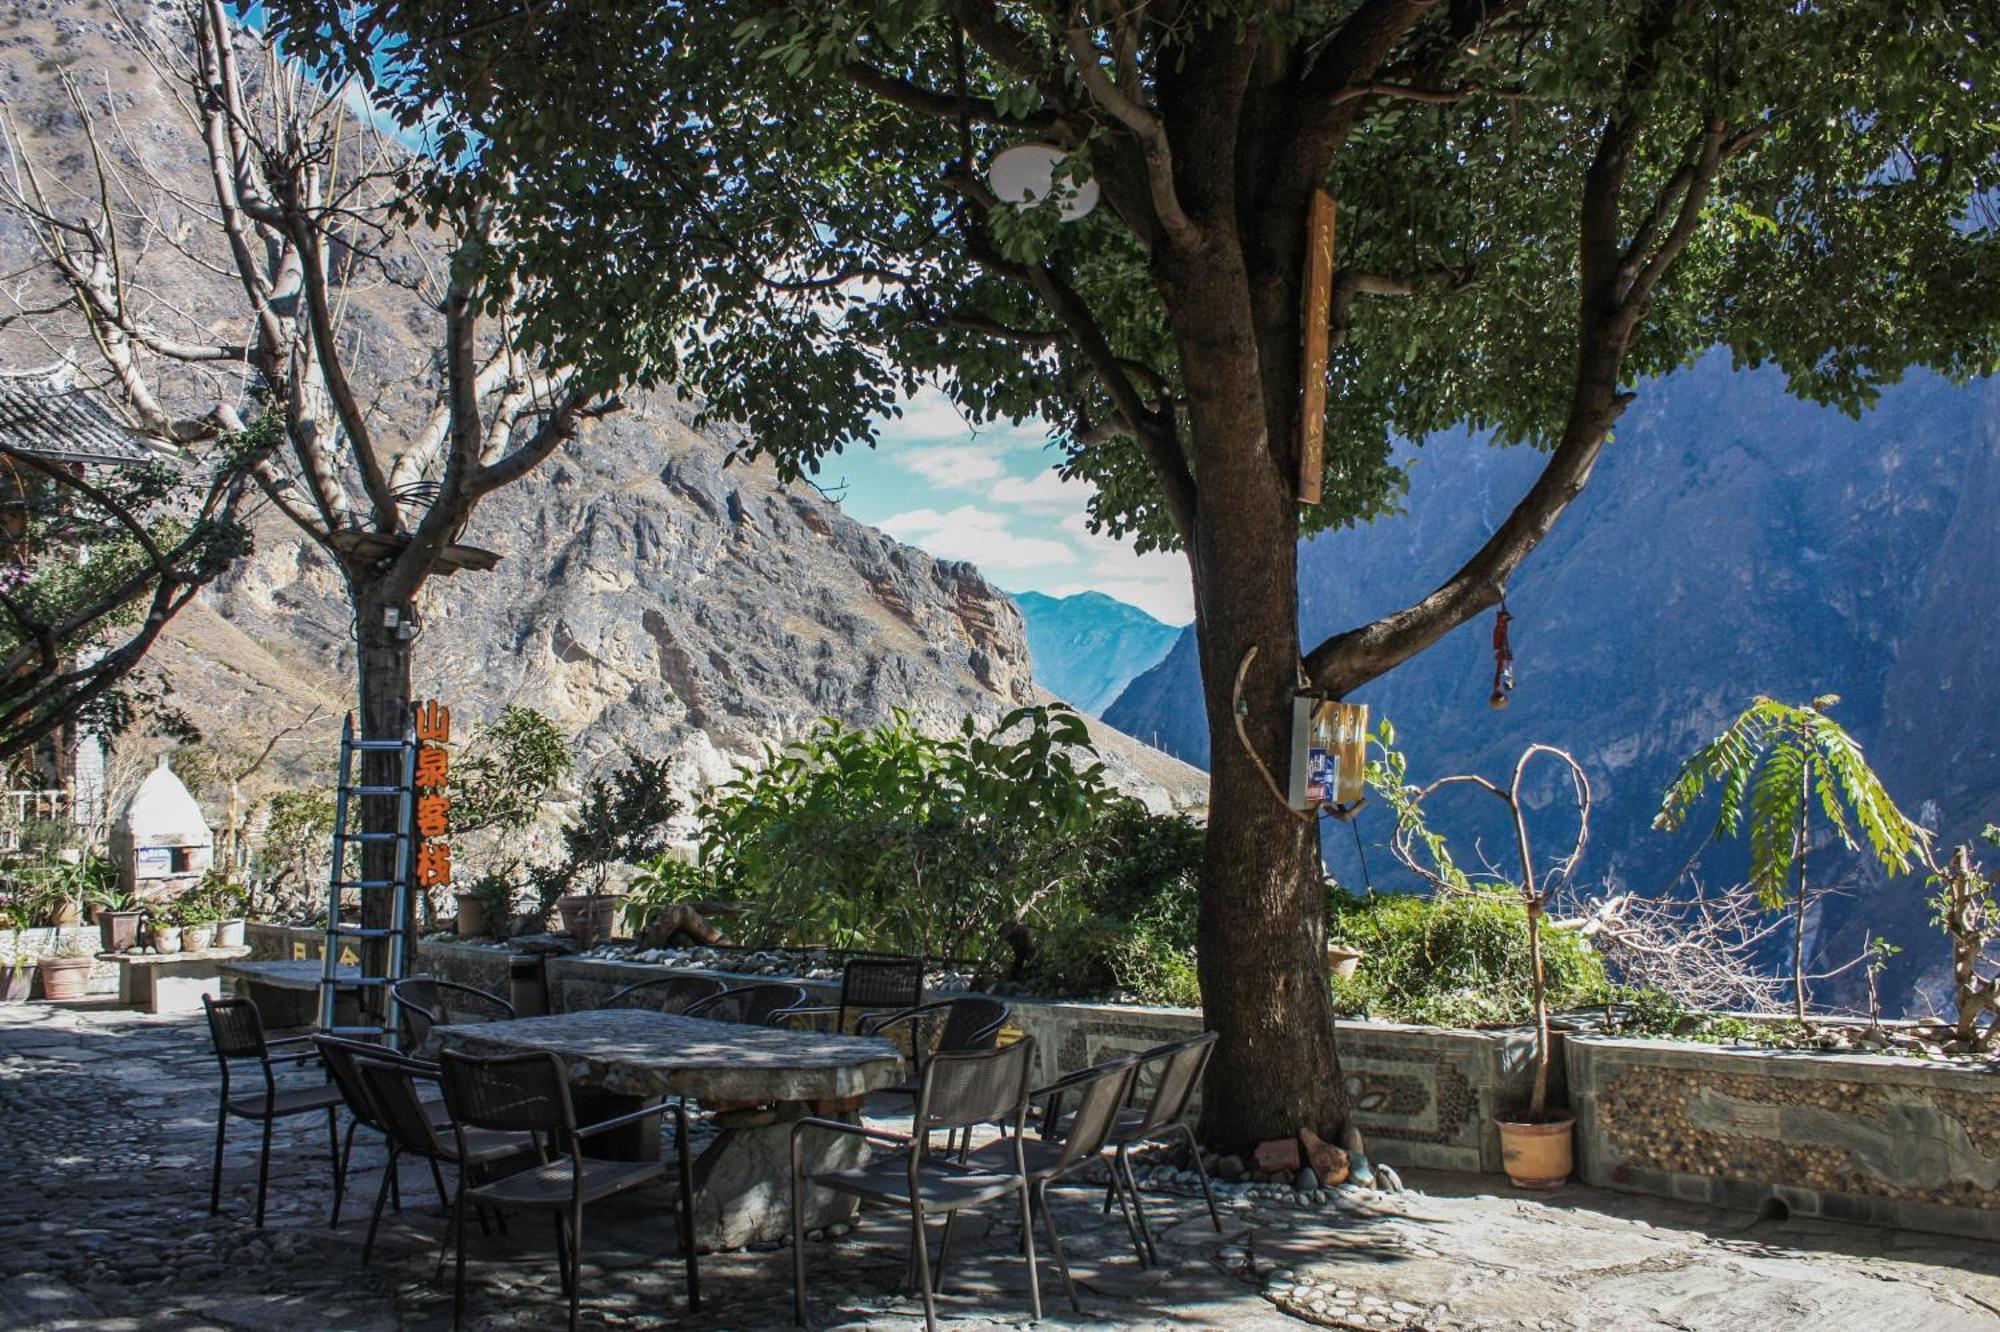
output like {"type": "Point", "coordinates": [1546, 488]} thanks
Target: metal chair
{"type": "Point", "coordinates": [340, 1054]}
{"type": "Point", "coordinates": [1162, 1086]}
{"type": "Point", "coordinates": [530, 1093]}
{"type": "Point", "coordinates": [669, 994]}
{"type": "Point", "coordinates": [873, 985]}
{"type": "Point", "coordinates": [425, 1002]}
{"type": "Point", "coordinates": [959, 1090]}
{"type": "Point", "coordinates": [413, 1126]}
{"type": "Point", "coordinates": [1100, 1092]}
{"type": "Point", "coordinates": [767, 1005]}
{"type": "Point", "coordinates": [237, 1032]}
{"type": "Point", "coordinates": [970, 1022]}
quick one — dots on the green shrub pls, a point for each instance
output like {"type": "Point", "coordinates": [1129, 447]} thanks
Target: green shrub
{"type": "Point", "coordinates": [1454, 961]}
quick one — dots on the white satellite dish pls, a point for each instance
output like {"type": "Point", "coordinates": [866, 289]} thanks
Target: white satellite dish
{"type": "Point", "coordinates": [1026, 175]}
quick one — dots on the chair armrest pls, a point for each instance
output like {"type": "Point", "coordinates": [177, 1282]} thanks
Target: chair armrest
{"type": "Point", "coordinates": [291, 1057]}
{"type": "Point", "coordinates": [787, 1017]}
{"type": "Point", "coordinates": [633, 1117]}
{"type": "Point", "coordinates": [871, 1025]}
{"type": "Point", "coordinates": [882, 1136]}
{"type": "Point", "coordinates": [287, 1040]}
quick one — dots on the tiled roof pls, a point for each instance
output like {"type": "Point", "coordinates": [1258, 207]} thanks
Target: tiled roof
{"type": "Point", "coordinates": [43, 414]}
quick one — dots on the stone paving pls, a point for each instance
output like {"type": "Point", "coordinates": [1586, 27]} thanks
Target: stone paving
{"type": "Point", "coordinates": [106, 1125]}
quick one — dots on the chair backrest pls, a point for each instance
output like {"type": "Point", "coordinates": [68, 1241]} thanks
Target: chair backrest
{"type": "Point", "coordinates": [973, 1023]}
{"type": "Point", "coordinates": [753, 1005]}
{"type": "Point", "coordinates": [342, 1055]}
{"type": "Point", "coordinates": [874, 983]}
{"type": "Point", "coordinates": [669, 994]}
{"type": "Point", "coordinates": [391, 1087]}
{"type": "Point", "coordinates": [1176, 1071]}
{"type": "Point", "coordinates": [1100, 1092]}
{"type": "Point", "coordinates": [975, 1087]}
{"type": "Point", "coordinates": [236, 1028]}
{"type": "Point", "coordinates": [521, 1093]}
{"type": "Point", "coordinates": [425, 1001]}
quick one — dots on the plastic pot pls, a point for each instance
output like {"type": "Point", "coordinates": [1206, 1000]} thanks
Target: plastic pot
{"type": "Point", "coordinates": [65, 977]}
{"type": "Point", "coordinates": [118, 931]}
{"type": "Point", "coordinates": [1342, 961]}
{"type": "Point", "coordinates": [1537, 1155]}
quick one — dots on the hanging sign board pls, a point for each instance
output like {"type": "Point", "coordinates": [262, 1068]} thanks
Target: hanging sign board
{"type": "Point", "coordinates": [1319, 330]}
{"type": "Point", "coordinates": [1329, 752]}
{"type": "Point", "coordinates": [433, 811]}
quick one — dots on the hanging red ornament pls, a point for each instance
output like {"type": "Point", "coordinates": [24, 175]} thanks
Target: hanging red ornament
{"type": "Point", "coordinates": [1503, 659]}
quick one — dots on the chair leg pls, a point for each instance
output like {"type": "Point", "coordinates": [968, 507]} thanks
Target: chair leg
{"type": "Point", "coordinates": [264, 1169]}
{"type": "Point", "coordinates": [1117, 1190]}
{"type": "Point", "coordinates": [215, 1175]}
{"type": "Point", "coordinates": [687, 1210]}
{"type": "Point", "coordinates": [339, 1171]}
{"type": "Point", "coordinates": [1194, 1153]}
{"type": "Point", "coordinates": [340, 1176]}
{"type": "Point", "coordinates": [1028, 1252]}
{"type": "Point", "coordinates": [575, 1263]}
{"type": "Point", "coordinates": [798, 1238]}
{"type": "Point", "coordinates": [375, 1220]}
{"type": "Point", "coordinates": [921, 1252]}
{"type": "Point", "coordinates": [944, 1252]}
{"type": "Point", "coordinates": [1055, 1244]}
{"type": "Point", "coordinates": [458, 1244]}
{"type": "Point", "coordinates": [1151, 1257]}
{"type": "Point", "coordinates": [395, 1169]}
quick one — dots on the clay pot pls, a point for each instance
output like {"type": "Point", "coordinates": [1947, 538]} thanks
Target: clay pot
{"type": "Point", "coordinates": [166, 938]}
{"type": "Point", "coordinates": [118, 931]}
{"type": "Point", "coordinates": [198, 938]}
{"type": "Point", "coordinates": [588, 918]}
{"type": "Point", "coordinates": [472, 916]}
{"type": "Point", "coordinates": [1537, 1156]}
{"type": "Point", "coordinates": [1342, 960]}
{"type": "Point", "coordinates": [64, 977]}
{"type": "Point", "coordinates": [17, 982]}
{"type": "Point", "coordinates": [66, 916]}
{"type": "Point", "coordinates": [229, 934]}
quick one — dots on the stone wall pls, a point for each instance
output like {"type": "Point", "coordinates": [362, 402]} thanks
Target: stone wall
{"type": "Point", "coordinates": [1869, 1138]}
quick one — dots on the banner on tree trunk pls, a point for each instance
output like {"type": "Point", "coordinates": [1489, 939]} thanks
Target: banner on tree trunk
{"type": "Point", "coordinates": [433, 779]}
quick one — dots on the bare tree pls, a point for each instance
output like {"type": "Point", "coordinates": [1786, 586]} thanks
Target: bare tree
{"type": "Point", "coordinates": [306, 216]}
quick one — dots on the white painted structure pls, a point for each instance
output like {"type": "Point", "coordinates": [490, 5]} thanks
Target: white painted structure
{"type": "Point", "coordinates": [161, 838]}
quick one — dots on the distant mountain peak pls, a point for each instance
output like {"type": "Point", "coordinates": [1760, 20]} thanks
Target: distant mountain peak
{"type": "Point", "coordinates": [1086, 647]}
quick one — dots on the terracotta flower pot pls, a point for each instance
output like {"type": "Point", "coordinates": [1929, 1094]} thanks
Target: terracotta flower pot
{"type": "Point", "coordinates": [588, 918]}
{"type": "Point", "coordinates": [65, 977]}
{"type": "Point", "coordinates": [118, 931]}
{"type": "Point", "coordinates": [1342, 961]}
{"type": "Point", "coordinates": [229, 934]}
{"type": "Point", "coordinates": [198, 938]}
{"type": "Point", "coordinates": [1537, 1156]}
{"type": "Point", "coordinates": [166, 938]}
{"type": "Point", "coordinates": [66, 916]}
{"type": "Point", "coordinates": [472, 916]}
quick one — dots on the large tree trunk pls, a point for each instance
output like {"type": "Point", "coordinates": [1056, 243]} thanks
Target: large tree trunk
{"type": "Point", "coordinates": [382, 670]}
{"type": "Point", "coordinates": [1262, 910]}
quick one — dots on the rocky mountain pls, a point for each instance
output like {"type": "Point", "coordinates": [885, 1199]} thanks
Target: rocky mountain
{"type": "Point", "coordinates": [1089, 646]}
{"type": "Point", "coordinates": [653, 595]}
{"type": "Point", "coordinates": [1733, 542]}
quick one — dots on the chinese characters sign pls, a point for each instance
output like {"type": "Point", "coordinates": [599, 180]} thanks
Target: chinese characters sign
{"type": "Point", "coordinates": [433, 805]}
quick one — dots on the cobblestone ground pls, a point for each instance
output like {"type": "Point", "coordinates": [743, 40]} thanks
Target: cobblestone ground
{"type": "Point", "coordinates": [106, 1124]}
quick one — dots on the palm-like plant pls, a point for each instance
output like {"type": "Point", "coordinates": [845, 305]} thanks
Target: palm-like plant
{"type": "Point", "coordinates": [1775, 764]}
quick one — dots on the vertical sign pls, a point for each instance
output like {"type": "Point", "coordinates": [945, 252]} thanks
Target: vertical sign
{"type": "Point", "coordinates": [433, 805]}
{"type": "Point", "coordinates": [1312, 370]}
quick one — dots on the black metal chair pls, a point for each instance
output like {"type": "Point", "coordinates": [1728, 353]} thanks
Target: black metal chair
{"type": "Point", "coordinates": [238, 1035]}
{"type": "Point", "coordinates": [766, 1005]}
{"type": "Point", "coordinates": [959, 1090]}
{"type": "Point", "coordinates": [872, 985]}
{"type": "Point", "coordinates": [1100, 1093]}
{"type": "Point", "coordinates": [414, 1126]}
{"type": "Point", "coordinates": [945, 1026]}
{"type": "Point", "coordinates": [1163, 1085]}
{"type": "Point", "coordinates": [530, 1093]}
{"type": "Point", "coordinates": [340, 1054]}
{"type": "Point", "coordinates": [669, 994]}
{"type": "Point", "coordinates": [423, 1002]}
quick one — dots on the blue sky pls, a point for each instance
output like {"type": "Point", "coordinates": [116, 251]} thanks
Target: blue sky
{"type": "Point", "coordinates": [992, 496]}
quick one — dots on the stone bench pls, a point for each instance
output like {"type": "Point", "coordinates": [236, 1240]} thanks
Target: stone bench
{"type": "Point", "coordinates": [171, 982]}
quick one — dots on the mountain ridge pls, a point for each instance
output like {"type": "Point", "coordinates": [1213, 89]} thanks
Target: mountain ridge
{"type": "Point", "coordinates": [1087, 646]}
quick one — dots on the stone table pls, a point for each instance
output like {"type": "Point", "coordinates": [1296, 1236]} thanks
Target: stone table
{"type": "Point", "coordinates": [742, 1179]}
{"type": "Point", "coordinates": [287, 993]}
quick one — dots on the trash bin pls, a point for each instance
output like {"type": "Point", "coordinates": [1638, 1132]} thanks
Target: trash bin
{"type": "Point", "coordinates": [528, 985]}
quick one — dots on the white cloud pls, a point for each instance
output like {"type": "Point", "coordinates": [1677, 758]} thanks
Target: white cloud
{"type": "Point", "coordinates": [953, 464]}
{"type": "Point", "coordinates": [979, 535]}
{"type": "Point", "coordinates": [1045, 490]}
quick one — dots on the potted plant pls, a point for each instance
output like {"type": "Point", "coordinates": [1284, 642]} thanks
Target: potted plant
{"type": "Point", "coordinates": [1537, 1142]}
{"type": "Point", "coordinates": [17, 956]}
{"type": "Point", "coordinates": [118, 918]}
{"type": "Point", "coordinates": [486, 906]}
{"type": "Point", "coordinates": [163, 928]}
{"type": "Point", "coordinates": [231, 914]}
{"type": "Point", "coordinates": [622, 820]}
{"type": "Point", "coordinates": [66, 972]}
{"type": "Point", "coordinates": [197, 916]}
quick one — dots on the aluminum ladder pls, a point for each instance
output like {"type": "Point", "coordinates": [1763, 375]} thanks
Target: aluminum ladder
{"type": "Point", "coordinates": [350, 843]}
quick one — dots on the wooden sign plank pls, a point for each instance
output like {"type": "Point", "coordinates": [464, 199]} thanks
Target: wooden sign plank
{"type": "Point", "coordinates": [1312, 370]}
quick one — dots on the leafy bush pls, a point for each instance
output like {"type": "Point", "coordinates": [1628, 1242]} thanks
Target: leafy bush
{"type": "Point", "coordinates": [622, 821]}
{"type": "Point", "coordinates": [1129, 923]}
{"type": "Point", "coordinates": [1454, 961]}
